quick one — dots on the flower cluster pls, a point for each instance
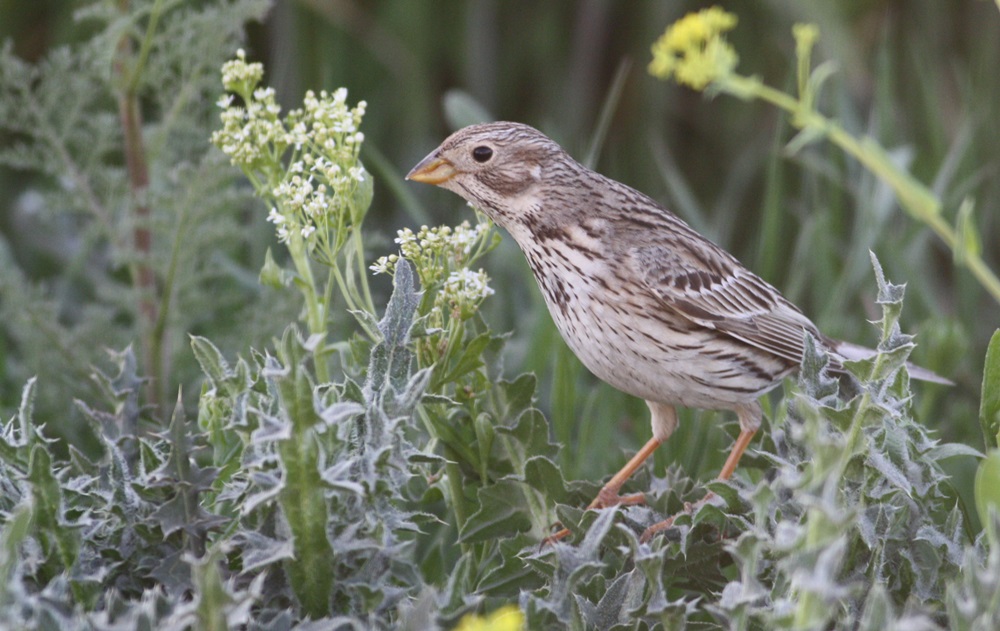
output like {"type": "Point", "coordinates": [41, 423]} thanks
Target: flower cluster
{"type": "Point", "coordinates": [306, 165]}
{"type": "Point", "coordinates": [441, 256]}
{"type": "Point", "coordinates": [434, 251]}
{"type": "Point", "coordinates": [506, 618]}
{"type": "Point", "coordinates": [693, 50]}
{"type": "Point", "coordinates": [463, 291]}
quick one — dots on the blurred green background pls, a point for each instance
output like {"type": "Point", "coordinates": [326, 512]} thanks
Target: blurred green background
{"type": "Point", "coordinates": [921, 77]}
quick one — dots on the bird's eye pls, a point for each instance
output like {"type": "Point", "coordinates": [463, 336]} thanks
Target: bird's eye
{"type": "Point", "coordinates": [482, 154]}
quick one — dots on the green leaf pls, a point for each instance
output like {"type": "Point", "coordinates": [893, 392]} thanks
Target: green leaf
{"type": "Point", "coordinates": [391, 358]}
{"type": "Point", "coordinates": [806, 137]}
{"type": "Point", "coordinates": [509, 575]}
{"type": "Point", "coordinates": [469, 359]}
{"type": "Point", "coordinates": [516, 396]}
{"type": "Point", "coordinates": [502, 512]}
{"type": "Point", "coordinates": [544, 475]}
{"type": "Point", "coordinates": [953, 450]}
{"type": "Point", "coordinates": [59, 539]}
{"type": "Point", "coordinates": [366, 320]}
{"type": "Point", "coordinates": [987, 491]}
{"type": "Point", "coordinates": [968, 244]}
{"type": "Point", "coordinates": [258, 551]}
{"type": "Point", "coordinates": [16, 527]}
{"type": "Point", "coordinates": [531, 431]}
{"type": "Point", "coordinates": [272, 275]}
{"type": "Point", "coordinates": [212, 362]}
{"type": "Point", "coordinates": [890, 297]}
{"type": "Point", "coordinates": [18, 432]}
{"type": "Point", "coordinates": [813, 375]}
{"type": "Point", "coordinates": [878, 613]}
{"type": "Point", "coordinates": [362, 198]}
{"type": "Point", "coordinates": [616, 605]}
{"type": "Point", "coordinates": [989, 405]}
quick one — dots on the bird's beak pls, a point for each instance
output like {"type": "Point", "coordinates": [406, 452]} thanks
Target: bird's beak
{"type": "Point", "coordinates": [432, 170]}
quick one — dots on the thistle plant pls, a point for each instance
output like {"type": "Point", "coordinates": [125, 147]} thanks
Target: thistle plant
{"type": "Point", "coordinates": [694, 52]}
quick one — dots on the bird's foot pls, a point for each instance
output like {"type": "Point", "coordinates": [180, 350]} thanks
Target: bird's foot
{"type": "Point", "coordinates": [606, 498]}
{"type": "Point", "coordinates": [668, 523]}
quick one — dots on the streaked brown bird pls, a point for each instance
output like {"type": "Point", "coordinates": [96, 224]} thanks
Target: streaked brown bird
{"type": "Point", "coordinates": [647, 304]}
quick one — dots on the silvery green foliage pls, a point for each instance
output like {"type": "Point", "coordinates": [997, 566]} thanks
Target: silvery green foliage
{"type": "Point", "coordinates": [285, 502]}
{"type": "Point", "coordinates": [411, 497]}
{"type": "Point", "coordinates": [972, 598]}
{"type": "Point", "coordinates": [327, 472]}
{"type": "Point", "coordinates": [76, 223]}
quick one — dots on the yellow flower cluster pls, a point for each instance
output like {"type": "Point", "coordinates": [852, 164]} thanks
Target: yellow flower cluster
{"type": "Point", "coordinates": [693, 50]}
{"type": "Point", "coordinates": [508, 618]}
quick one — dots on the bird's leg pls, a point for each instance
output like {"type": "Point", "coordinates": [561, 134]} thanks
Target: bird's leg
{"type": "Point", "coordinates": [750, 416]}
{"type": "Point", "coordinates": [608, 495]}
{"type": "Point", "coordinates": [664, 421]}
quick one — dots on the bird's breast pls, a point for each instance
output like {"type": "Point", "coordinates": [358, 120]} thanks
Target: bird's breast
{"type": "Point", "coordinates": [619, 330]}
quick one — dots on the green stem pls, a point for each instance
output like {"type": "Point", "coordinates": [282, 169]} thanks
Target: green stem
{"type": "Point", "coordinates": [913, 196]}
{"type": "Point", "coordinates": [359, 253]}
{"type": "Point", "coordinates": [144, 48]}
{"type": "Point", "coordinates": [454, 478]}
{"type": "Point", "coordinates": [352, 304]}
{"type": "Point", "coordinates": [853, 438]}
{"type": "Point", "coordinates": [316, 310]}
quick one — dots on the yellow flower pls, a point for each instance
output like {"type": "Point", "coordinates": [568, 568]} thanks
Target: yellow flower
{"type": "Point", "coordinates": [506, 618]}
{"type": "Point", "coordinates": [693, 51]}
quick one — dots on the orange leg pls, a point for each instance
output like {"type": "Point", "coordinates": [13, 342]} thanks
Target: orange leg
{"type": "Point", "coordinates": [742, 442]}
{"type": "Point", "coordinates": [608, 495]}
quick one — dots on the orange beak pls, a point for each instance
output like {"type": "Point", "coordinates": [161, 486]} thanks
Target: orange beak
{"type": "Point", "coordinates": [432, 170]}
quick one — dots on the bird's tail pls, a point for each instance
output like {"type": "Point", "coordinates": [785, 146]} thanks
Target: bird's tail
{"type": "Point", "coordinates": [855, 352]}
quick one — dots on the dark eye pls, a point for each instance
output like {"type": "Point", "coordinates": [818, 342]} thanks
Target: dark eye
{"type": "Point", "coordinates": [482, 154]}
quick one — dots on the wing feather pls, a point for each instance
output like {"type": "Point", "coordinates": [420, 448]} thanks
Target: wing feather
{"type": "Point", "coordinates": [713, 289]}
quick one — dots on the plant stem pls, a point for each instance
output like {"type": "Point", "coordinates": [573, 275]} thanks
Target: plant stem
{"type": "Point", "coordinates": [316, 310]}
{"type": "Point", "coordinates": [359, 253]}
{"type": "Point", "coordinates": [141, 271]}
{"type": "Point", "coordinates": [913, 196]}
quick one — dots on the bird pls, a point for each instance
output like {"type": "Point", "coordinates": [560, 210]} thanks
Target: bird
{"type": "Point", "coordinates": [646, 303]}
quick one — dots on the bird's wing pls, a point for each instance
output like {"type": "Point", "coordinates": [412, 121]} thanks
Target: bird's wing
{"type": "Point", "coordinates": [708, 286]}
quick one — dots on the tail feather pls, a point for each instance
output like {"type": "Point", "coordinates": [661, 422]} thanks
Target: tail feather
{"type": "Point", "coordinates": [855, 352]}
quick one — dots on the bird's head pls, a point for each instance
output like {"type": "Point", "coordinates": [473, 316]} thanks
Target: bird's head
{"type": "Point", "coordinates": [497, 167]}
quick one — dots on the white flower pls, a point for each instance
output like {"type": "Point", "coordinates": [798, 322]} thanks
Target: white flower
{"type": "Point", "coordinates": [466, 286]}
{"type": "Point", "coordinates": [275, 217]}
{"type": "Point", "coordinates": [381, 265]}
{"type": "Point", "coordinates": [405, 236]}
